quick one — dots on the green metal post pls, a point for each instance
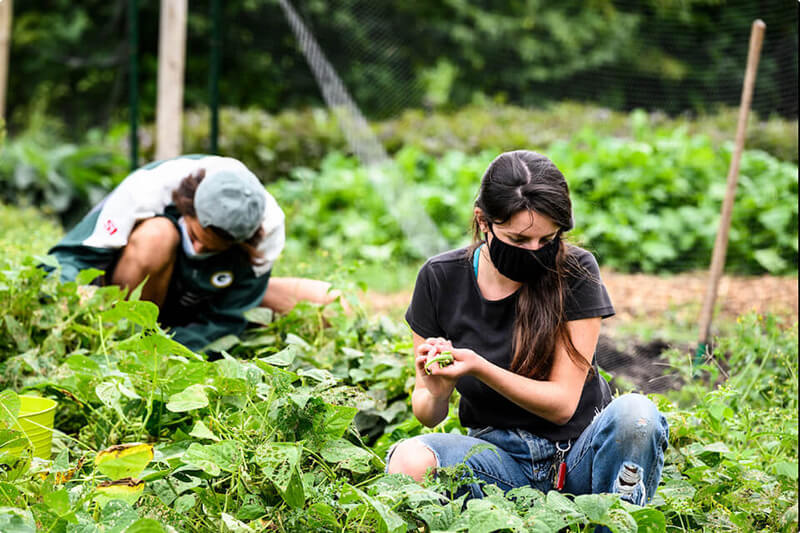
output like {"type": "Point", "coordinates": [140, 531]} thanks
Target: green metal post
{"type": "Point", "coordinates": [133, 79]}
{"type": "Point", "coordinates": [213, 75]}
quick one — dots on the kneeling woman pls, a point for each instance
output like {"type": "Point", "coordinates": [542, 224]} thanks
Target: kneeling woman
{"type": "Point", "coordinates": [520, 310]}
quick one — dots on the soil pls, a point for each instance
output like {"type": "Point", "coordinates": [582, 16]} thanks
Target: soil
{"type": "Point", "coordinates": [657, 303]}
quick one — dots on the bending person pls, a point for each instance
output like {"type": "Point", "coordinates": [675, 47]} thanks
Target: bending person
{"type": "Point", "coordinates": [203, 232]}
{"type": "Point", "coordinates": [520, 312]}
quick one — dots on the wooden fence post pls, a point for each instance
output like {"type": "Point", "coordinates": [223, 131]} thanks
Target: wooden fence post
{"type": "Point", "coordinates": [6, 13]}
{"type": "Point", "coordinates": [171, 58]}
{"type": "Point", "coordinates": [721, 243]}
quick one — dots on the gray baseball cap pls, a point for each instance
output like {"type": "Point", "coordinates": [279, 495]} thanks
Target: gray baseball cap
{"type": "Point", "coordinates": [231, 200]}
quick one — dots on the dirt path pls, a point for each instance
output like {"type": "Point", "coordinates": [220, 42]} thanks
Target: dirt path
{"type": "Point", "coordinates": [637, 294]}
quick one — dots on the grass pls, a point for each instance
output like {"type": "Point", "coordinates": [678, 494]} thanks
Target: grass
{"type": "Point", "coordinates": [26, 231]}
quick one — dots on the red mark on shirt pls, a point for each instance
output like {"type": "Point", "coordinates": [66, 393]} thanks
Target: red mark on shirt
{"type": "Point", "coordinates": [110, 227]}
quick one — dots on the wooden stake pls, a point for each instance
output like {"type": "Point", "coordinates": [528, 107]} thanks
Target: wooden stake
{"type": "Point", "coordinates": [721, 243]}
{"type": "Point", "coordinates": [171, 57]}
{"type": "Point", "coordinates": [6, 13]}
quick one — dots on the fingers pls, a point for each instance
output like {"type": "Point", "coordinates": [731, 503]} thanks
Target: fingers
{"type": "Point", "coordinates": [434, 345]}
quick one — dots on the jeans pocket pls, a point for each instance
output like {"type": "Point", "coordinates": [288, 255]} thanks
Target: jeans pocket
{"type": "Point", "coordinates": [542, 455]}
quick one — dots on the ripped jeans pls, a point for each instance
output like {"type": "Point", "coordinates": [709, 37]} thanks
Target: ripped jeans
{"type": "Point", "coordinates": [621, 451]}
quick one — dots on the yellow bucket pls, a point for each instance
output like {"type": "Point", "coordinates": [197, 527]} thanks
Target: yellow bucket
{"type": "Point", "coordinates": [36, 417]}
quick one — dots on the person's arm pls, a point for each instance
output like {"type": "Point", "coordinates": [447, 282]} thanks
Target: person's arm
{"type": "Point", "coordinates": [226, 316]}
{"type": "Point", "coordinates": [431, 396]}
{"type": "Point", "coordinates": [284, 293]}
{"type": "Point", "coordinates": [555, 399]}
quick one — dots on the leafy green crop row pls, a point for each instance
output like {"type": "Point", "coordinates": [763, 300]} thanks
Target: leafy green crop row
{"type": "Point", "coordinates": [277, 434]}
{"type": "Point", "coordinates": [243, 442]}
{"type": "Point", "coordinates": [37, 167]}
{"type": "Point", "coordinates": [272, 145]}
{"type": "Point", "coordinates": [649, 204]}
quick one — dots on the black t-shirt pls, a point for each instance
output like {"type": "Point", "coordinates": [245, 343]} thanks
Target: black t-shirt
{"type": "Point", "coordinates": [448, 303]}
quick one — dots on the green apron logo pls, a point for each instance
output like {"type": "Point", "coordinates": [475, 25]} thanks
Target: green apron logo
{"type": "Point", "coordinates": [222, 279]}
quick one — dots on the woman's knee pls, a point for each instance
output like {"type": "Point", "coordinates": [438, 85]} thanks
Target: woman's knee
{"type": "Point", "coordinates": [411, 457]}
{"type": "Point", "coordinates": [635, 417]}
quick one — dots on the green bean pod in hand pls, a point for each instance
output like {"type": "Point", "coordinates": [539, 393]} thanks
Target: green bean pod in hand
{"type": "Point", "coordinates": [444, 359]}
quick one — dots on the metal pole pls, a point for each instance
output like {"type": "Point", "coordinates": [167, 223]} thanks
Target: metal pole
{"type": "Point", "coordinates": [721, 243]}
{"type": "Point", "coordinates": [213, 75]}
{"type": "Point", "coordinates": [133, 80]}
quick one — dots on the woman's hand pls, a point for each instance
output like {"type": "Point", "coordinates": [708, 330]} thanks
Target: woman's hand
{"type": "Point", "coordinates": [437, 386]}
{"type": "Point", "coordinates": [465, 361]}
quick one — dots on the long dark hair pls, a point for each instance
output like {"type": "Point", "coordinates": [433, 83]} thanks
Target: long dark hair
{"type": "Point", "coordinates": [524, 180]}
{"type": "Point", "coordinates": [183, 198]}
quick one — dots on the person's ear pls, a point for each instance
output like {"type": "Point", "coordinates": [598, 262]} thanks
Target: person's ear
{"type": "Point", "coordinates": [482, 223]}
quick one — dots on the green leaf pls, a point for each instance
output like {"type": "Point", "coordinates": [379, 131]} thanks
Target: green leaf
{"type": "Point", "coordinates": [279, 378]}
{"type": "Point", "coordinates": [12, 442]}
{"type": "Point", "coordinates": [18, 333]}
{"type": "Point", "coordinates": [595, 506]}
{"type": "Point", "coordinates": [283, 358]}
{"type": "Point", "coordinates": [719, 411]}
{"type": "Point", "coordinates": [565, 507]}
{"type": "Point", "coordinates": [251, 509]}
{"type": "Point", "coordinates": [317, 374]}
{"type": "Point", "coordinates": [235, 526]}
{"type": "Point", "coordinates": [786, 469]}
{"type": "Point", "coordinates": [620, 521]}
{"type": "Point", "coordinates": [347, 455]}
{"type": "Point", "coordinates": [389, 521]}
{"type": "Point", "coordinates": [108, 393]}
{"type": "Point", "coordinates": [8, 494]}
{"type": "Point", "coordinates": [789, 518]}
{"type": "Point", "coordinates": [677, 491]}
{"type": "Point", "coordinates": [145, 525]}
{"type": "Point", "coordinates": [85, 277]}
{"type": "Point", "coordinates": [17, 521]}
{"type": "Point", "coordinates": [545, 519]}
{"type": "Point", "coordinates": [124, 460]}
{"type": "Point", "coordinates": [58, 501]}
{"type": "Point", "coordinates": [300, 398]}
{"type": "Point", "coordinates": [155, 343]}
{"type": "Point", "coordinates": [770, 260]}
{"type": "Point", "coordinates": [127, 490]}
{"type": "Point", "coordinates": [294, 340]}
{"type": "Point", "coordinates": [191, 398]}
{"type": "Point", "coordinates": [649, 520]}
{"type": "Point", "coordinates": [279, 463]}
{"type": "Point", "coordinates": [9, 408]}
{"type": "Point", "coordinates": [222, 344]}
{"type": "Point", "coordinates": [485, 516]}
{"type": "Point", "coordinates": [716, 447]}
{"type": "Point", "coordinates": [201, 431]}
{"type": "Point", "coordinates": [213, 458]}
{"type": "Point", "coordinates": [143, 313]}
{"type": "Point", "coordinates": [658, 251]}
{"type": "Point", "coordinates": [260, 315]}
{"type": "Point", "coordinates": [438, 517]}
{"type": "Point", "coordinates": [82, 364]}
{"type": "Point", "coordinates": [321, 516]}
{"type": "Point", "coordinates": [337, 420]}
{"type": "Point", "coordinates": [777, 218]}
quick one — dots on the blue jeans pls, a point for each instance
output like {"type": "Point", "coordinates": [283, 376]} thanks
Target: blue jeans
{"type": "Point", "coordinates": [622, 451]}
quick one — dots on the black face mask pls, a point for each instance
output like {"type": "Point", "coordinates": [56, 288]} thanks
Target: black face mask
{"type": "Point", "coordinates": [520, 264]}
